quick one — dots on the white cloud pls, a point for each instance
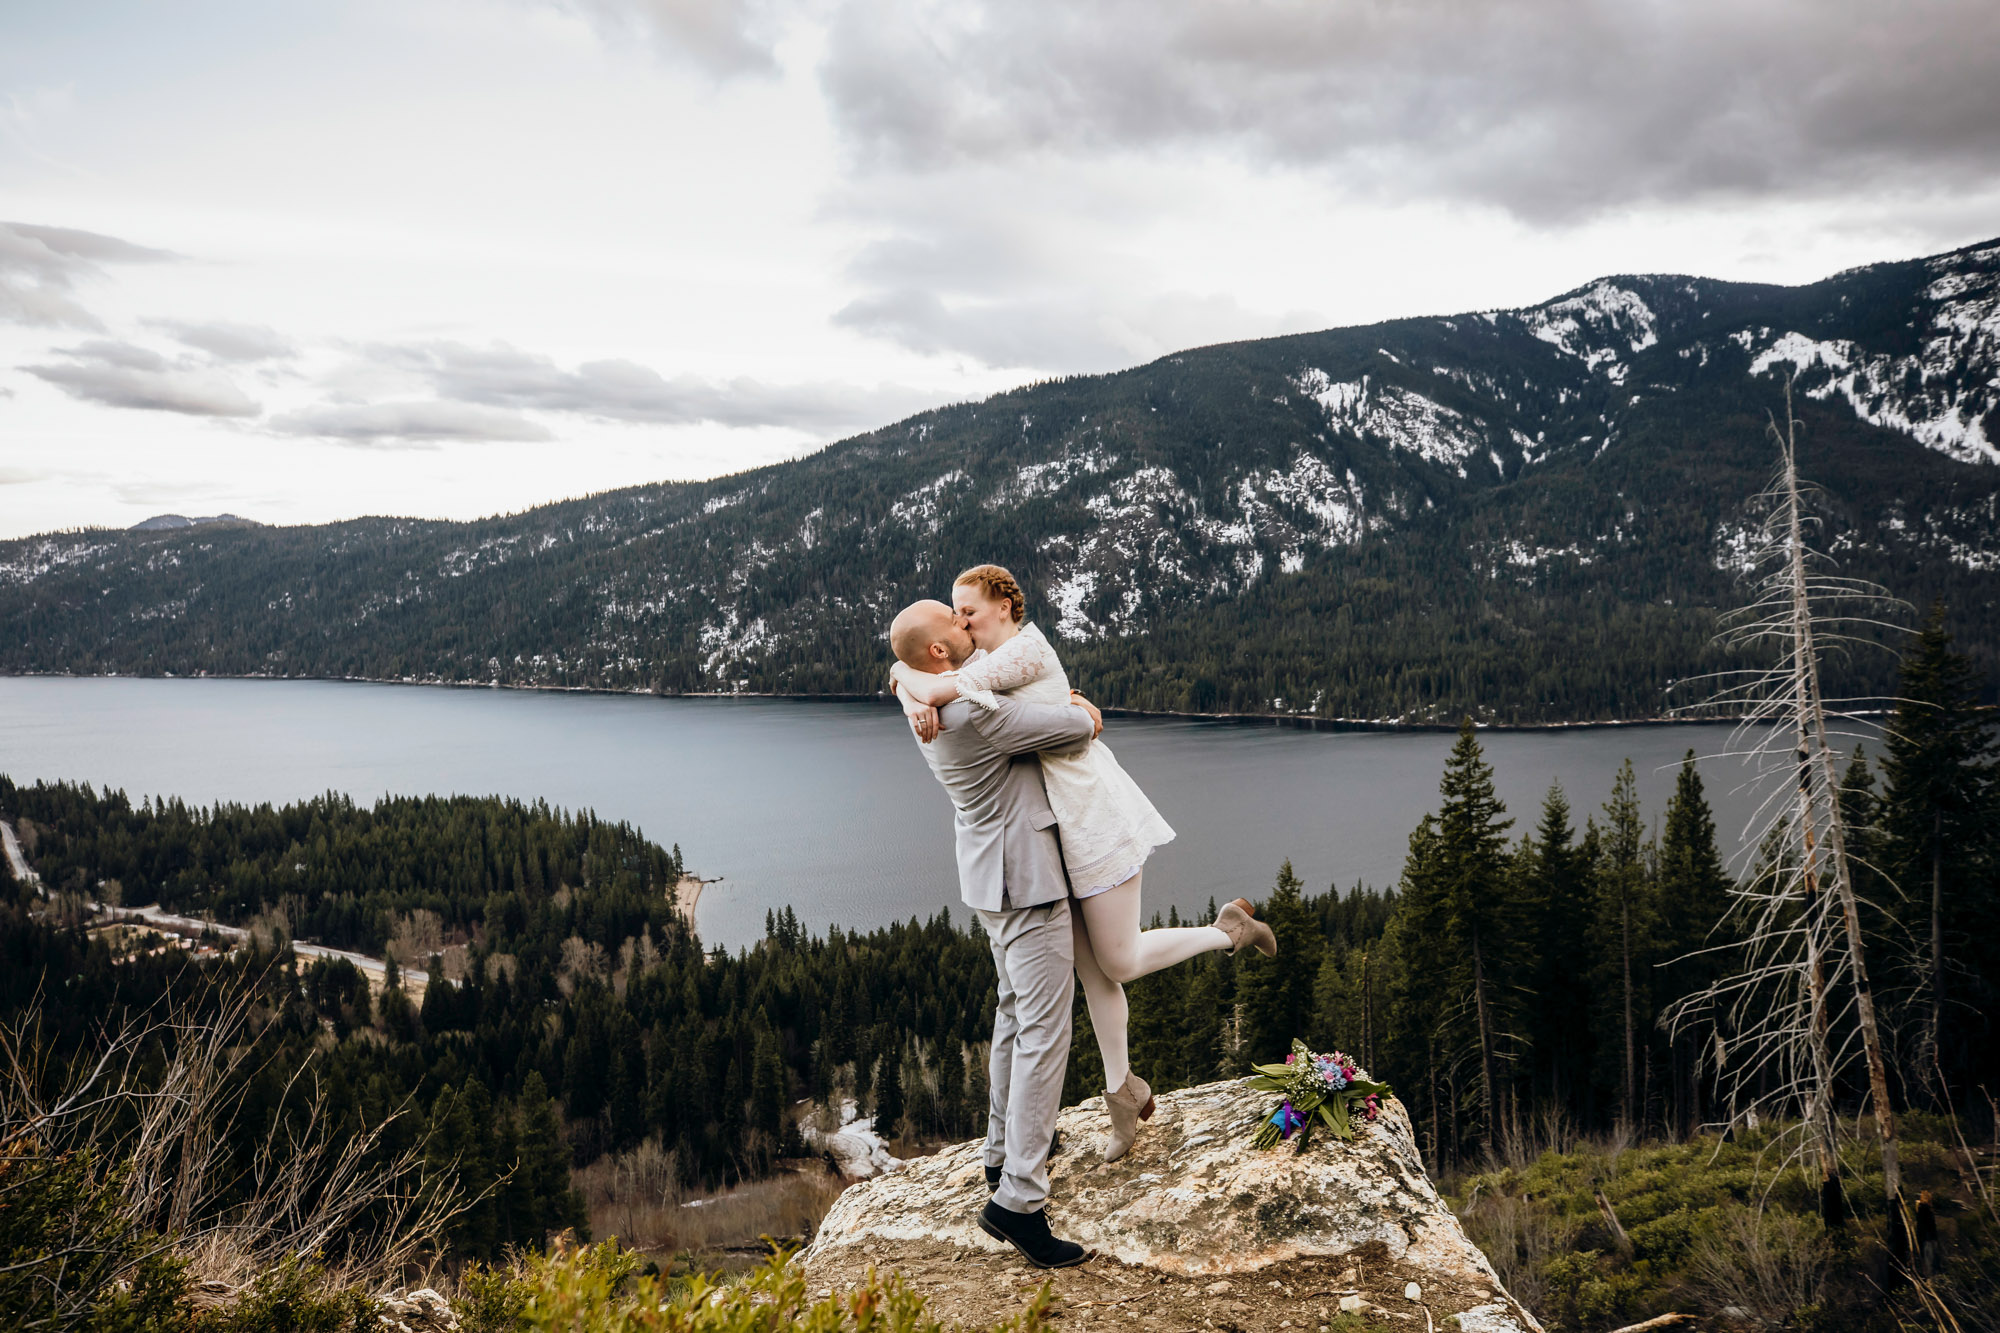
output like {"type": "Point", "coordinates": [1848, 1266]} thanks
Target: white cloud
{"type": "Point", "coordinates": [40, 268]}
{"type": "Point", "coordinates": [227, 341]}
{"type": "Point", "coordinates": [116, 374]}
{"type": "Point", "coordinates": [617, 390]}
{"type": "Point", "coordinates": [719, 37]}
{"type": "Point", "coordinates": [418, 422]}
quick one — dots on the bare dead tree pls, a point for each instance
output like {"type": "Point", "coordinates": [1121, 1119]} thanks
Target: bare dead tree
{"type": "Point", "coordinates": [1802, 1000]}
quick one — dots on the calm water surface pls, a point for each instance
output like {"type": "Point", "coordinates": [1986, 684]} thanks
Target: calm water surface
{"type": "Point", "coordinates": [827, 807]}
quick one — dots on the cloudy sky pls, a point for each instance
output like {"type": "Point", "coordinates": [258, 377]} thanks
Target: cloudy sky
{"type": "Point", "coordinates": [302, 260]}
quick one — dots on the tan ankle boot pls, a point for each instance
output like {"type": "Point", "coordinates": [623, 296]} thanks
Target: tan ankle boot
{"type": "Point", "coordinates": [1128, 1106]}
{"type": "Point", "coordinates": [1238, 922]}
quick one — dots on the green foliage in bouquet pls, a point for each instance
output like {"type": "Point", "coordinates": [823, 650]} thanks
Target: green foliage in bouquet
{"type": "Point", "coordinates": [1328, 1088]}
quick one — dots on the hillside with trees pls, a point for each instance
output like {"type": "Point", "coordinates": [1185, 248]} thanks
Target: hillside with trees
{"type": "Point", "coordinates": [1527, 516]}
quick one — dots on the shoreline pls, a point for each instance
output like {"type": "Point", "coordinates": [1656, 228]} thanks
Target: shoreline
{"type": "Point", "coordinates": [687, 897]}
{"type": "Point", "coordinates": [1300, 721]}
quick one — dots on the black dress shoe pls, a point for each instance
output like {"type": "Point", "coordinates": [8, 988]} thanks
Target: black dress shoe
{"type": "Point", "coordinates": [1029, 1233]}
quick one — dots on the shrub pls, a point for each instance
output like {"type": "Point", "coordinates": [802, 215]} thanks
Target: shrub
{"type": "Point", "coordinates": [1667, 1239]}
{"type": "Point", "coordinates": [292, 1298]}
{"type": "Point", "coordinates": [70, 1259]}
{"type": "Point", "coordinates": [599, 1289]}
{"type": "Point", "coordinates": [1583, 1290]}
{"type": "Point", "coordinates": [1773, 1264]}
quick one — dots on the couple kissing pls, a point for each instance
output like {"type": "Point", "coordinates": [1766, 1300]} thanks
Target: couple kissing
{"type": "Point", "coordinates": [1052, 836]}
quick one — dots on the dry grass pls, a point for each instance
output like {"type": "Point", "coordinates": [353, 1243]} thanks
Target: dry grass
{"type": "Point", "coordinates": [1519, 1238]}
{"type": "Point", "coordinates": [637, 1197]}
{"type": "Point", "coordinates": [306, 1193]}
{"type": "Point", "coordinates": [1772, 1264]}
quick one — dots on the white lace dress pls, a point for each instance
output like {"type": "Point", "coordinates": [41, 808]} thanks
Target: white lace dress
{"type": "Point", "coordinates": [1108, 827]}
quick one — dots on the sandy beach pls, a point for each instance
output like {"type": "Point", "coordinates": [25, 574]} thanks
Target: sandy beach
{"type": "Point", "coordinates": [687, 896]}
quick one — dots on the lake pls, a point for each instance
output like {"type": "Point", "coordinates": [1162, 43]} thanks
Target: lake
{"type": "Point", "coordinates": [827, 807]}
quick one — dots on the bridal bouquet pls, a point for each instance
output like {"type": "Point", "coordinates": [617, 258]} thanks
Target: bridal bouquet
{"type": "Point", "coordinates": [1327, 1087]}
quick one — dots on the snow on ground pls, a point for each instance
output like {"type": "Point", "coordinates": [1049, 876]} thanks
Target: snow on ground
{"type": "Point", "coordinates": [856, 1148]}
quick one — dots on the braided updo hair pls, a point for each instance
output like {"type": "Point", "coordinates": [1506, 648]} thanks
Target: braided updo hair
{"type": "Point", "coordinates": [997, 584]}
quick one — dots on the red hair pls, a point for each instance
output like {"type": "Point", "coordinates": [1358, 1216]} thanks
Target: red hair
{"type": "Point", "coordinates": [997, 584]}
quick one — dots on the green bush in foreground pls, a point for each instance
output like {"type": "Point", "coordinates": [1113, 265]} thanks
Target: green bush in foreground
{"type": "Point", "coordinates": [600, 1289]}
{"type": "Point", "coordinates": [294, 1298]}
{"type": "Point", "coordinates": [69, 1256]}
{"type": "Point", "coordinates": [1732, 1224]}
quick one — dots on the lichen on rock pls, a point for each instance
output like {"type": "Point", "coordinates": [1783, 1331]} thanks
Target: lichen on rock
{"type": "Point", "coordinates": [1192, 1203]}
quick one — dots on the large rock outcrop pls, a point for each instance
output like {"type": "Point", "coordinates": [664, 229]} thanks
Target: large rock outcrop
{"type": "Point", "coordinates": [1192, 1229]}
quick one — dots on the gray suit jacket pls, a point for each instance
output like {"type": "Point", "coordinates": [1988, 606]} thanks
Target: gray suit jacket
{"type": "Point", "coordinates": [1008, 855]}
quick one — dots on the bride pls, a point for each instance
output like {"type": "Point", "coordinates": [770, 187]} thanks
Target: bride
{"type": "Point", "coordinates": [1108, 829]}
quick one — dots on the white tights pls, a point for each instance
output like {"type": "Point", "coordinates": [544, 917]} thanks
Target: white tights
{"type": "Point", "coordinates": [1111, 950]}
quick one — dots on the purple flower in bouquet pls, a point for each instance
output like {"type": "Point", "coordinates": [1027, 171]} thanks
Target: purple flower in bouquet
{"type": "Point", "coordinates": [1315, 1089]}
{"type": "Point", "coordinates": [1332, 1072]}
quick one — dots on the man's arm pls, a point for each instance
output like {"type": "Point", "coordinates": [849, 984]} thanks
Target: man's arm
{"type": "Point", "coordinates": [1016, 727]}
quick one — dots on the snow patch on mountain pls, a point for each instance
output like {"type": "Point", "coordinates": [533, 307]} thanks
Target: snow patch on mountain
{"type": "Point", "coordinates": [1803, 353]}
{"type": "Point", "coordinates": [1050, 476]}
{"type": "Point", "coordinates": [1312, 487]}
{"type": "Point", "coordinates": [1522, 555]}
{"type": "Point", "coordinates": [1939, 395]}
{"type": "Point", "coordinates": [1405, 420]}
{"type": "Point", "coordinates": [1151, 535]}
{"type": "Point", "coordinates": [1594, 324]}
{"type": "Point", "coordinates": [37, 558]}
{"type": "Point", "coordinates": [1736, 545]}
{"type": "Point", "coordinates": [923, 509]}
{"type": "Point", "coordinates": [491, 551]}
{"type": "Point", "coordinates": [730, 642]}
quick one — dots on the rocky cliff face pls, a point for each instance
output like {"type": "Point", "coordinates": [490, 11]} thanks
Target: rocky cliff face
{"type": "Point", "coordinates": [1193, 1228]}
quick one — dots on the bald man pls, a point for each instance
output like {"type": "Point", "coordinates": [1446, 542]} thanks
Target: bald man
{"type": "Point", "coordinates": [1010, 873]}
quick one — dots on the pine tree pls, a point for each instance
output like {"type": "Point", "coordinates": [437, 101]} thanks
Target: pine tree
{"type": "Point", "coordinates": [627, 1100]}
{"type": "Point", "coordinates": [1693, 897]}
{"type": "Point", "coordinates": [1471, 870]}
{"type": "Point", "coordinates": [1276, 995]}
{"type": "Point", "coordinates": [889, 1092]}
{"type": "Point", "coordinates": [545, 1164]}
{"type": "Point", "coordinates": [1624, 928]}
{"type": "Point", "coordinates": [1423, 1034]}
{"type": "Point", "coordinates": [1204, 1009]}
{"type": "Point", "coordinates": [1158, 1027]}
{"type": "Point", "coordinates": [767, 1083]}
{"type": "Point", "coordinates": [951, 1087]}
{"type": "Point", "coordinates": [1555, 893]}
{"type": "Point", "coordinates": [1936, 810]}
{"type": "Point", "coordinates": [1335, 1024]}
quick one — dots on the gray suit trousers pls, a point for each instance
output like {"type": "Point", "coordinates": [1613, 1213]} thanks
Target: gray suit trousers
{"type": "Point", "coordinates": [1036, 960]}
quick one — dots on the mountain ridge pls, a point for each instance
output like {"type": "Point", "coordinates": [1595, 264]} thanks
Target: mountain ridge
{"type": "Point", "coordinates": [1531, 515]}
